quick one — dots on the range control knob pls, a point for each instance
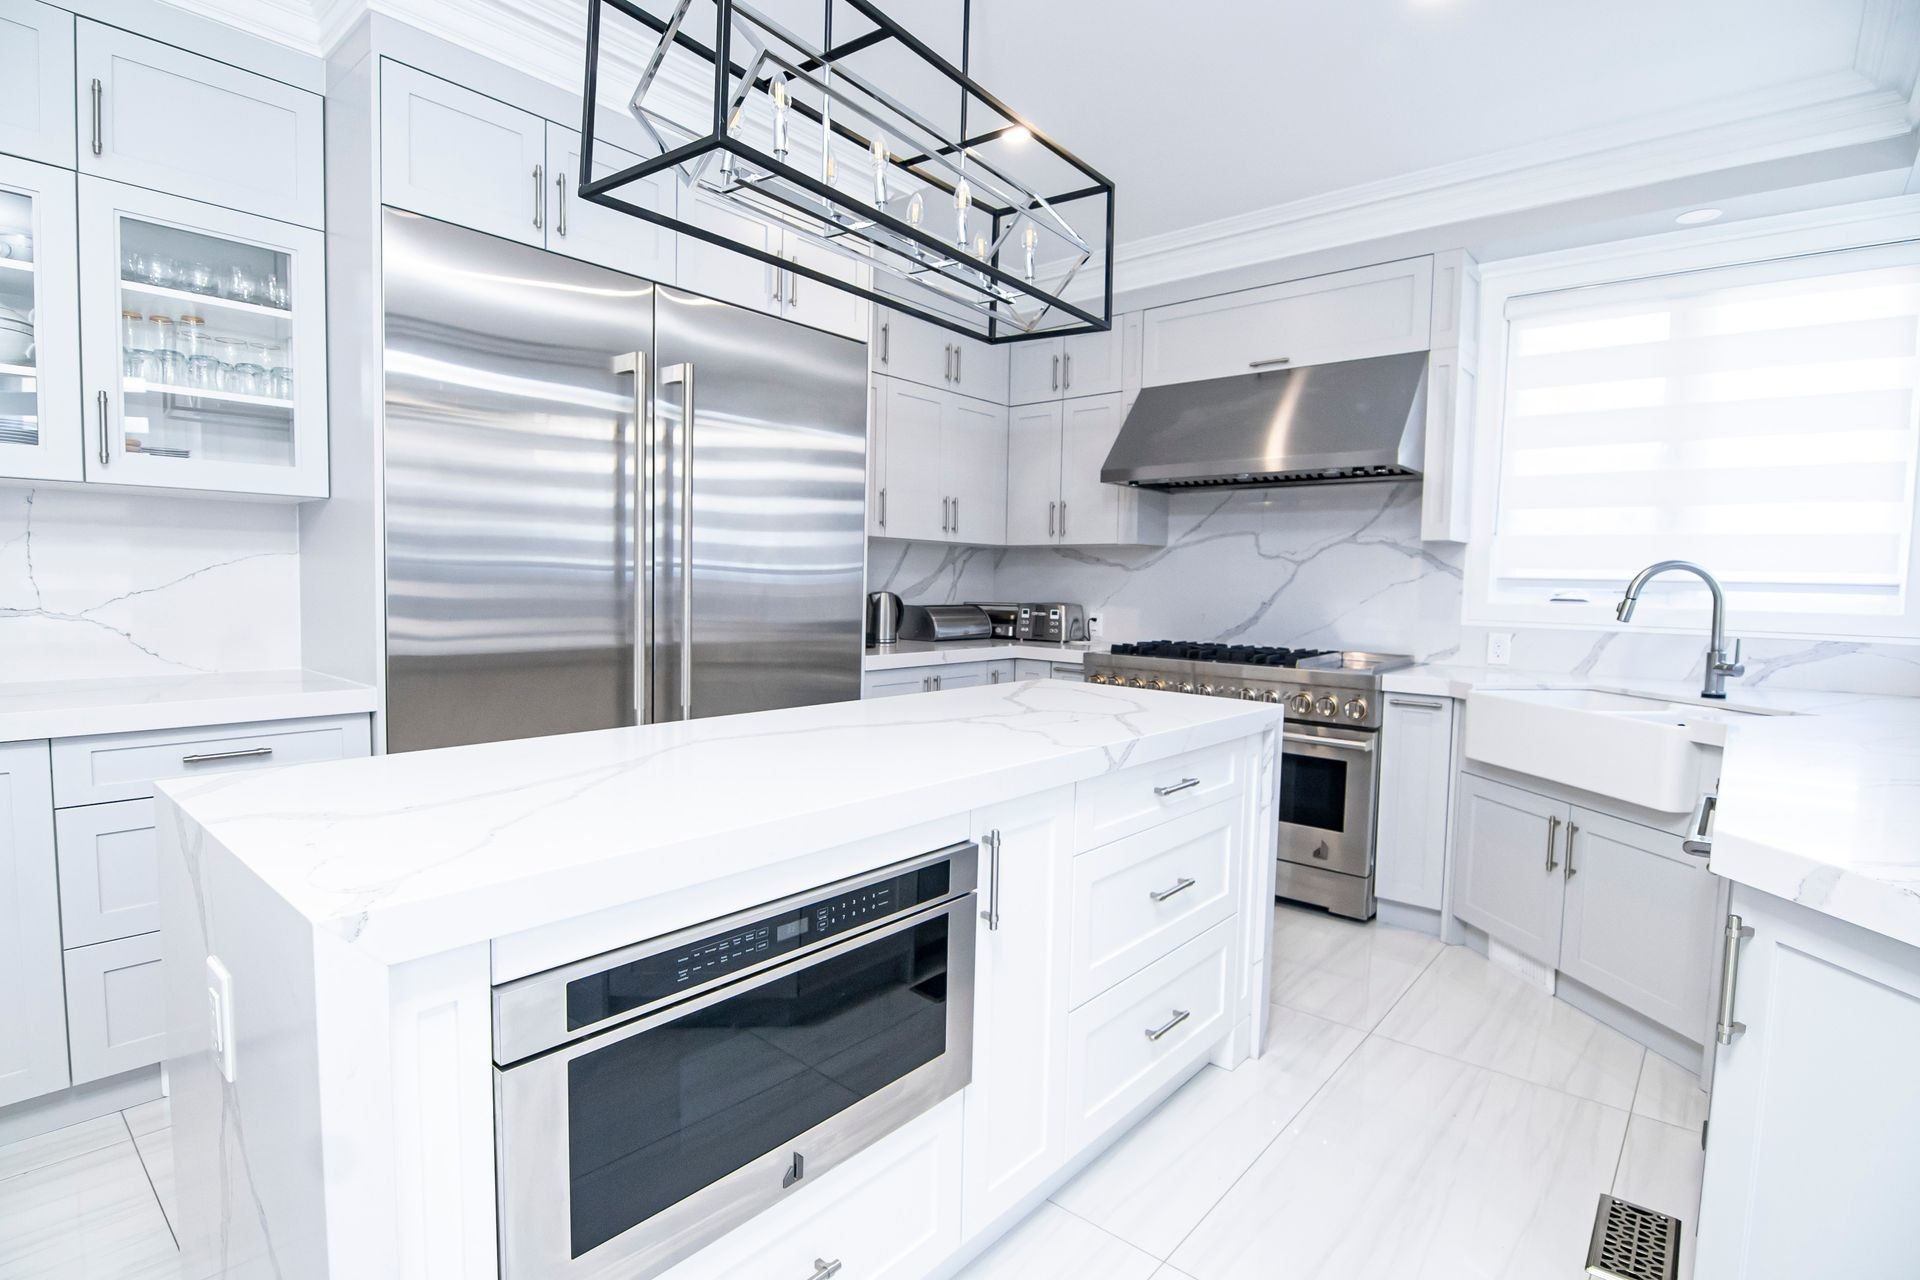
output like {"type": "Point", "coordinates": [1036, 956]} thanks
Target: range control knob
{"type": "Point", "coordinates": [1272, 695]}
{"type": "Point", "coordinates": [1250, 693]}
{"type": "Point", "coordinates": [1186, 686]}
{"type": "Point", "coordinates": [1355, 709]}
{"type": "Point", "coordinates": [1327, 705]}
{"type": "Point", "coordinates": [1207, 689]}
{"type": "Point", "coordinates": [1300, 704]}
{"type": "Point", "coordinates": [1158, 684]}
{"type": "Point", "coordinates": [1139, 682]}
{"type": "Point", "coordinates": [1099, 677]}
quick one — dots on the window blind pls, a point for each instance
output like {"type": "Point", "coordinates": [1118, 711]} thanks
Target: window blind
{"type": "Point", "coordinates": [1762, 420]}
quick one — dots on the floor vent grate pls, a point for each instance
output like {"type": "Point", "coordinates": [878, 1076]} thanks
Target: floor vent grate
{"type": "Point", "coordinates": [1633, 1243]}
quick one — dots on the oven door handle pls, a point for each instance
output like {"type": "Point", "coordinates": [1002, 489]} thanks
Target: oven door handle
{"type": "Point", "coordinates": [1344, 744]}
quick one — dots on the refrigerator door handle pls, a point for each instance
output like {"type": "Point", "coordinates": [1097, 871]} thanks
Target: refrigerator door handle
{"type": "Point", "coordinates": [644, 431]}
{"type": "Point", "coordinates": [681, 375]}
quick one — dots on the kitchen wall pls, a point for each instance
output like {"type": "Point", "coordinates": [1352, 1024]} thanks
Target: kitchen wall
{"type": "Point", "coordinates": [97, 584]}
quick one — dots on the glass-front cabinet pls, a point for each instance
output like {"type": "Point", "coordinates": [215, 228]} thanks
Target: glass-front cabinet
{"type": "Point", "coordinates": [203, 346]}
{"type": "Point", "coordinates": [39, 324]}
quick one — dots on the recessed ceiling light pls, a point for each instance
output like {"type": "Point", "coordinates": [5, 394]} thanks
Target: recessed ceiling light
{"type": "Point", "coordinates": [1694, 217]}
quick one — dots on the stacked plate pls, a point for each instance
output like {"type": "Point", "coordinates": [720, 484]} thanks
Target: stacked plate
{"type": "Point", "coordinates": [16, 336]}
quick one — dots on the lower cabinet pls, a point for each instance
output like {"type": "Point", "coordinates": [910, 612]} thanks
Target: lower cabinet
{"type": "Point", "coordinates": [1810, 1161]}
{"type": "Point", "coordinates": [33, 1018]}
{"type": "Point", "coordinates": [1416, 781]}
{"type": "Point", "coordinates": [934, 677]}
{"type": "Point", "coordinates": [1507, 866]}
{"type": "Point", "coordinates": [116, 1007]}
{"type": "Point", "coordinates": [1016, 1122]}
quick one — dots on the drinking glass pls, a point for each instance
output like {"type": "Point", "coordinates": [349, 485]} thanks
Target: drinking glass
{"type": "Point", "coordinates": [135, 267]}
{"type": "Point", "coordinates": [133, 343]}
{"type": "Point", "coordinates": [200, 277]}
{"type": "Point", "coordinates": [275, 294]}
{"type": "Point", "coordinates": [240, 284]}
{"type": "Point", "coordinates": [280, 382]}
{"type": "Point", "coordinates": [245, 374]}
{"type": "Point", "coordinates": [163, 271]}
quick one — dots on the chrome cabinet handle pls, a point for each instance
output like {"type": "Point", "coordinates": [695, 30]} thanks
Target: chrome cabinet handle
{"type": "Point", "coordinates": [1268, 364]}
{"type": "Point", "coordinates": [883, 508]}
{"type": "Point", "coordinates": [992, 914]}
{"type": "Point", "coordinates": [1573, 829]}
{"type": "Point", "coordinates": [97, 89]}
{"type": "Point", "coordinates": [793, 287]}
{"type": "Point", "coordinates": [926, 684]}
{"type": "Point", "coordinates": [886, 342]}
{"type": "Point", "coordinates": [956, 515]}
{"type": "Point", "coordinates": [946, 522]}
{"type": "Point", "coordinates": [1066, 373]}
{"type": "Point", "coordinates": [1050, 509]}
{"type": "Point", "coordinates": [106, 454]}
{"type": "Point", "coordinates": [1553, 838]}
{"type": "Point", "coordinates": [1411, 702]}
{"type": "Point", "coordinates": [1699, 841]}
{"type": "Point", "coordinates": [936, 682]}
{"type": "Point", "coordinates": [1181, 885]}
{"type": "Point", "coordinates": [239, 753]}
{"type": "Point", "coordinates": [824, 1270]}
{"type": "Point", "coordinates": [1737, 932]}
{"type": "Point", "coordinates": [682, 375]}
{"type": "Point", "coordinates": [1063, 517]}
{"type": "Point", "coordinates": [539, 196]}
{"type": "Point", "coordinates": [560, 187]}
{"type": "Point", "coordinates": [1314, 740]}
{"type": "Point", "coordinates": [1179, 1016]}
{"type": "Point", "coordinates": [958, 351]}
{"type": "Point", "coordinates": [646, 435]}
{"type": "Point", "coordinates": [1183, 785]}
{"type": "Point", "coordinates": [1056, 373]}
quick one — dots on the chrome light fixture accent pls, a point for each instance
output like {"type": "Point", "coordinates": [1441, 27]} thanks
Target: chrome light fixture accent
{"type": "Point", "coordinates": [762, 121]}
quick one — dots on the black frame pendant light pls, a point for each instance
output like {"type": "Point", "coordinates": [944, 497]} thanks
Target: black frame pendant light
{"type": "Point", "coordinates": [962, 211]}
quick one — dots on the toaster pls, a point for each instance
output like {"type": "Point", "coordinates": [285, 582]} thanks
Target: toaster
{"type": "Point", "coordinates": [1052, 623]}
{"type": "Point", "coordinates": [944, 622]}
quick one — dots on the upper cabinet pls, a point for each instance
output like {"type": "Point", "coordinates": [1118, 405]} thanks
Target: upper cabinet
{"type": "Point", "coordinates": [36, 82]}
{"type": "Point", "coordinates": [594, 233]}
{"type": "Point", "coordinates": [155, 116]}
{"type": "Point", "coordinates": [1054, 493]}
{"type": "Point", "coordinates": [1371, 311]}
{"type": "Point", "coordinates": [461, 156]}
{"type": "Point", "coordinates": [39, 324]}
{"type": "Point", "coordinates": [943, 470]}
{"type": "Point", "coordinates": [907, 347]}
{"type": "Point", "coordinates": [1086, 364]}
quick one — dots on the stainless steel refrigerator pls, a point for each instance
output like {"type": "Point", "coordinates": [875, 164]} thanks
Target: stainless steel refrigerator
{"type": "Point", "coordinates": [608, 502]}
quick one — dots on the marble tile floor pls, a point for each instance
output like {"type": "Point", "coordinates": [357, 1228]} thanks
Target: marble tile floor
{"type": "Point", "coordinates": [1418, 1113]}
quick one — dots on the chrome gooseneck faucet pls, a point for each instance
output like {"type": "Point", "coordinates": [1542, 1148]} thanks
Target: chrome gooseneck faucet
{"type": "Point", "coordinates": [1720, 664]}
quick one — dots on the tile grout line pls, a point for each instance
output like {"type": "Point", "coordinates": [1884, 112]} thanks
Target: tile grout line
{"type": "Point", "coordinates": [147, 1173]}
{"type": "Point", "coordinates": [1620, 1156]}
{"type": "Point", "coordinates": [1158, 1261]}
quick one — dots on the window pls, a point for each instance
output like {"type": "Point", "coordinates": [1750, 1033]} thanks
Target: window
{"type": "Point", "coordinates": [1760, 419]}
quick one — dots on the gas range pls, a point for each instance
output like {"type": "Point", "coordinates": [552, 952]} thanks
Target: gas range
{"type": "Point", "coordinates": [1327, 686]}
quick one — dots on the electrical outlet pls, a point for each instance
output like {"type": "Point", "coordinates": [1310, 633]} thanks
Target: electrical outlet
{"type": "Point", "coordinates": [220, 1016]}
{"type": "Point", "coordinates": [1094, 626]}
{"type": "Point", "coordinates": [1499, 648]}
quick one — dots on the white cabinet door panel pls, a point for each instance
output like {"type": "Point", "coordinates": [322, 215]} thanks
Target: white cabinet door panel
{"type": "Point", "coordinates": [187, 125]}
{"type": "Point", "coordinates": [809, 302]}
{"type": "Point", "coordinates": [1090, 512]}
{"type": "Point", "coordinates": [975, 448]}
{"type": "Point", "coordinates": [109, 872]}
{"type": "Point", "coordinates": [36, 82]}
{"type": "Point", "coordinates": [907, 347]}
{"type": "Point", "coordinates": [1033, 474]}
{"type": "Point", "coordinates": [1033, 371]}
{"type": "Point", "coordinates": [718, 272]}
{"type": "Point", "coordinates": [1416, 779]}
{"type": "Point", "coordinates": [593, 232]}
{"type": "Point", "coordinates": [1091, 364]}
{"type": "Point", "coordinates": [124, 766]}
{"type": "Point", "coordinates": [916, 485]}
{"type": "Point", "coordinates": [876, 459]}
{"type": "Point", "coordinates": [1119, 804]}
{"type": "Point", "coordinates": [1508, 863]}
{"type": "Point", "coordinates": [33, 1015]}
{"type": "Point", "coordinates": [116, 1007]}
{"type": "Point", "coordinates": [40, 396]}
{"type": "Point", "coordinates": [461, 156]}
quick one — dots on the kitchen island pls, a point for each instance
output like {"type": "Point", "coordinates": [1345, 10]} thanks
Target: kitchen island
{"type": "Point", "coordinates": [339, 938]}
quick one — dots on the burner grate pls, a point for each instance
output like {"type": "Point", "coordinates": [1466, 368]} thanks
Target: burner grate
{"type": "Point", "coordinates": [1249, 655]}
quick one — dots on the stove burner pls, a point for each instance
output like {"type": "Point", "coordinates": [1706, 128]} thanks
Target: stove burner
{"type": "Point", "coordinates": [1252, 655]}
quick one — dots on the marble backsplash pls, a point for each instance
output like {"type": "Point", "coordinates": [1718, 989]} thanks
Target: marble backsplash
{"type": "Point", "coordinates": [97, 584]}
{"type": "Point", "coordinates": [1336, 567]}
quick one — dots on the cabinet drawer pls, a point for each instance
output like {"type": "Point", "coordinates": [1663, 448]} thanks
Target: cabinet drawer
{"type": "Point", "coordinates": [109, 875]}
{"type": "Point", "coordinates": [116, 1007]}
{"type": "Point", "coordinates": [1136, 899]}
{"type": "Point", "coordinates": [1114, 1061]}
{"type": "Point", "coordinates": [124, 766]}
{"type": "Point", "coordinates": [1120, 804]}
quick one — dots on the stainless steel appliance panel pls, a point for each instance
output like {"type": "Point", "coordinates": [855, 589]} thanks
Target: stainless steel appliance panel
{"type": "Point", "coordinates": [765, 500]}
{"type": "Point", "coordinates": [511, 514]}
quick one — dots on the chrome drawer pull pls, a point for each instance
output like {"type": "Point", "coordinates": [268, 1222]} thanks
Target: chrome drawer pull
{"type": "Point", "coordinates": [243, 753]}
{"type": "Point", "coordinates": [1179, 1016]}
{"type": "Point", "coordinates": [1172, 787]}
{"type": "Point", "coordinates": [1409, 702]}
{"type": "Point", "coordinates": [1181, 885]}
{"type": "Point", "coordinates": [1269, 363]}
{"type": "Point", "coordinates": [1737, 932]}
{"type": "Point", "coordinates": [824, 1270]}
{"type": "Point", "coordinates": [1553, 839]}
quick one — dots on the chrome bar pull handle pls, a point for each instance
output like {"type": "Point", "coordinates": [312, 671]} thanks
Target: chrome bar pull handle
{"type": "Point", "coordinates": [959, 351]}
{"type": "Point", "coordinates": [681, 375]}
{"type": "Point", "coordinates": [1699, 841]}
{"type": "Point", "coordinates": [793, 286]}
{"type": "Point", "coordinates": [1185, 784]}
{"type": "Point", "coordinates": [560, 190]}
{"type": "Point", "coordinates": [1066, 373]}
{"type": "Point", "coordinates": [1050, 510]}
{"type": "Point", "coordinates": [1056, 373]}
{"type": "Point", "coordinates": [239, 753]}
{"type": "Point", "coordinates": [1179, 1016]}
{"type": "Point", "coordinates": [883, 508]}
{"type": "Point", "coordinates": [646, 440]}
{"type": "Point", "coordinates": [1181, 885]}
{"type": "Point", "coordinates": [97, 89]}
{"type": "Point", "coordinates": [1573, 829]}
{"type": "Point", "coordinates": [1553, 839]}
{"type": "Point", "coordinates": [956, 515]}
{"type": "Point", "coordinates": [1063, 517]}
{"type": "Point", "coordinates": [824, 1270]}
{"type": "Point", "coordinates": [1268, 364]}
{"type": "Point", "coordinates": [539, 196]}
{"type": "Point", "coordinates": [1413, 702]}
{"type": "Point", "coordinates": [886, 341]}
{"type": "Point", "coordinates": [992, 914]}
{"type": "Point", "coordinates": [106, 454]}
{"type": "Point", "coordinates": [1737, 932]}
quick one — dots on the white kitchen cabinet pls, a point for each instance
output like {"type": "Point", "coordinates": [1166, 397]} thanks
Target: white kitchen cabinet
{"type": "Point", "coordinates": [155, 116]}
{"type": "Point", "coordinates": [460, 156]}
{"type": "Point", "coordinates": [1452, 380]}
{"type": "Point", "coordinates": [1810, 1162]}
{"type": "Point", "coordinates": [109, 872]}
{"type": "Point", "coordinates": [974, 455]}
{"type": "Point", "coordinates": [1016, 1121]}
{"type": "Point", "coordinates": [1507, 865]}
{"type": "Point", "coordinates": [125, 766]}
{"type": "Point", "coordinates": [946, 465]}
{"type": "Point", "coordinates": [1033, 371]}
{"type": "Point", "coordinates": [40, 414]}
{"type": "Point", "coordinates": [36, 82]}
{"type": "Point", "coordinates": [936, 676]}
{"type": "Point", "coordinates": [1639, 920]}
{"type": "Point", "coordinates": [157, 421]}
{"type": "Point", "coordinates": [1085, 364]}
{"type": "Point", "coordinates": [876, 460]}
{"type": "Point", "coordinates": [116, 1007]}
{"type": "Point", "coordinates": [1054, 494]}
{"type": "Point", "coordinates": [593, 232]}
{"type": "Point", "coordinates": [1416, 784]}
{"type": "Point", "coordinates": [906, 346]}
{"type": "Point", "coordinates": [1071, 672]}
{"type": "Point", "coordinates": [809, 302]}
{"type": "Point", "coordinates": [1033, 474]}
{"type": "Point", "coordinates": [33, 1018]}
{"type": "Point", "coordinates": [1345, 315]}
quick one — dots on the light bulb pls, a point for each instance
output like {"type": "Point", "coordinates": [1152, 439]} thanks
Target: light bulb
{"type": "Point", "coordinates": [916, 209]}
{"type": "Point", "coordinates": [1030, 238]}
{"type": "Point", "coordinates": [962, 203]}
{"type": "Point", "coordinates": [879, 173]}
{"type": "Point", "coordinates": [780, 117]}
{"type": "Point", "coordinates": [980, 247]}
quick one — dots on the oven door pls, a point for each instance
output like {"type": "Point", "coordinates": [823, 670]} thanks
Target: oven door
{"type": "Point", "coordinates": [1327, 790]}
{"type": "Point", "coordinates": [638, 1146]}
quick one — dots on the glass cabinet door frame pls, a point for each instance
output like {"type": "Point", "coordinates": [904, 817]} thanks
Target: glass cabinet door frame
{"type": "Point", "coordinates": [56, 322]}
{"type": "Point", "coordinates": [103, 207]}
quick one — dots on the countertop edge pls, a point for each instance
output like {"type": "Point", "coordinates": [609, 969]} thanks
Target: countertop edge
{"type": "Point", "coordinates": [98, 712]}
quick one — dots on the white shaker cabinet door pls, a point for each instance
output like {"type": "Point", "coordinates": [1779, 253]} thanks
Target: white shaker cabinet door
{"type": "Point", "coordinates": [116, 1007]}
{"type": "Point", "coordinates": [40, 401]}
{"type": "Point", "coordinates": [592, 232]}
{"type": "Point", "coordinates": [975, 440]}
{"type": "Point", "coordinates": [461, 156]}
{"type": "Point", "coordinates": [109, 872]}
{"type": "Point", "coordinates": [1091, 512]}
{"type": "Point", "coordinates": [160, 117]}
{"type": "Point", "coordinates": [1508, 865]}
{"type": "Point", "coordinates": [1090, 363]}
{"type": "Point", "coordinates": [1416, 779]}
{"type": "Point", "coordinates": [876, 459]}
{"type": "Point", "coordinates": [1016, 1129]}
{"type": "Point", "coordinates": [908, 347]}
{"type": "Point", "coordinates": [1033, 474]}
{"type": "Point", "coordinates": [1033, 371]}
{"type": "Point", "coordinates": [915, 491]}
{"type": "Point", "coordinates": [719, 272]}
{"type": "Point", "coordinates": [825, 306]}
{"type": "Point", "coordinates": [36, 82]}
{"type": "Point", "coordinates": [1811, 1162]}
{"type": "Point", "coordinates": [33, 1016]}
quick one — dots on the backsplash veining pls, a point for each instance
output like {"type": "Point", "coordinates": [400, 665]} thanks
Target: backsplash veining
{"type": "Point", "coordinates": [99, 584]}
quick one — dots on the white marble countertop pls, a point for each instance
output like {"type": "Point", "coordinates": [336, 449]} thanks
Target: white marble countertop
{"type": "Point", "coordinates": [927, 653]}
{"type": "Point", "coordinates": [415, 854]}
{"type": "Point", "coordinates": [1819, 799]}
{"type": "Point", "coordinates": [76, 708]}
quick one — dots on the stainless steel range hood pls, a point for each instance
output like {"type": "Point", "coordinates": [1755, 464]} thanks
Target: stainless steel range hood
{"type": "Point", "coordinates": [1356, 420]}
